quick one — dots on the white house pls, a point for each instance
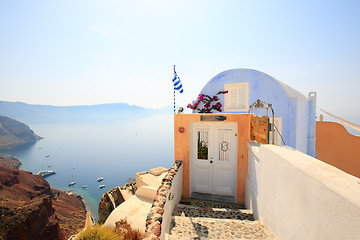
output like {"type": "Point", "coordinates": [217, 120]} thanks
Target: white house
{"type": "Point", "coordinates": [294, 113]}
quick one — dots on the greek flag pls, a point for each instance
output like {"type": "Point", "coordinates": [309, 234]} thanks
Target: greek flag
{"type": "Point", "coordinates": [177, 82]}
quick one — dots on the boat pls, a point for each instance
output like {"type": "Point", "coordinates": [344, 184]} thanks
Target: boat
{"type": "Point", "coordinates": [85, 186]}
{"type": "Point", "coordinates": [47, 156]}
{"type": "Point", "coordinates": [101, 186]}
{"type": "Point", "coordinates": [72, 183]}
{"type": "Point", "coordinates": [46, 173]}
{"type": "Point", "coordinates": [100, 179]}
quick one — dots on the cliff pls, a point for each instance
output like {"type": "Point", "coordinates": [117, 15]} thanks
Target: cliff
{"type": "Point", "coordinates": [13, 132]}
{"type": "Point", "coordinates": [70, 210]}
{"type": "Point", "coordinates": [30, 209]}
{"type": "Point", "coordinates": [26, 207]}
{"type": "Point", "coordinates": [9, 162]}
{"type": "Point", "coordinates": [109, 201]}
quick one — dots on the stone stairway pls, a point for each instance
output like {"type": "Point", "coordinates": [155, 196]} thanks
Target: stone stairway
{"type": "Point", "coordinates": [201, 219]}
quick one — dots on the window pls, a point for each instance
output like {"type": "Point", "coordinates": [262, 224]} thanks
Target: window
{"type": "Point", "coordinates": [237, 99]}
{"type": "Point", "coordinates": [202, 144]}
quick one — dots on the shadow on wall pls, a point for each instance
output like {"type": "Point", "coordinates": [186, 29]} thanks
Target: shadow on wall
{"type": "Point", "coordinates": [337, 147]}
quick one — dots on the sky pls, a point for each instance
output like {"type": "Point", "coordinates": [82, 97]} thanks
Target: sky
{"type": "Point", "coordinates": [84, 52]}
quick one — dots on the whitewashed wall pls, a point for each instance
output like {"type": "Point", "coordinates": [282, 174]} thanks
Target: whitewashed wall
{"type": "Point", "coordinates": [299, 197]}
{"type": "Point", "coordinates": [176, 190]}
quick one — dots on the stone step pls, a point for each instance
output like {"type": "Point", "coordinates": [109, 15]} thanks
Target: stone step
{"type": "Point", "coordinates": [211, 204]}
{"type": "Point", "coordinates": [209, 228]}
{"type": "Point", "coordinates": [208, 212]}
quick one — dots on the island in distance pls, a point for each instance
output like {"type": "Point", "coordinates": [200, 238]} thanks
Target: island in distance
{"type": "Point", "coordinates": [13, 132]}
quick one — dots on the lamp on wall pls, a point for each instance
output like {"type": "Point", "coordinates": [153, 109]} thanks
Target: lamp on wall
{"type": "Point", "coordinates": [181, 129]}
{"type": "Point", "coordinates": [180, 110]}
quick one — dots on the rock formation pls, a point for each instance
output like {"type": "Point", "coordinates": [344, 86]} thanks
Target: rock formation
{"type": "Point", "coordinates": [109, 201]}
{"type": "Point", "coordinates": [13, 132]}
{"type": "Point", "coordinates": [70, 210]}
{"type": "Point", "coordinates": [30, 209]}
{"type": "Point", "coordinates": [9, 162]}
{"type": "Point", "coordinates": [26, 207]}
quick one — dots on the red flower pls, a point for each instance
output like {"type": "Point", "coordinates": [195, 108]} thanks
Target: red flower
{"type": "Point", "coordinates": [207, 101]}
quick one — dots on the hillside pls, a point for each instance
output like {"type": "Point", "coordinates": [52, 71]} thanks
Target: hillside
{"type": "Point", "coordinates": [13, 132]}
{"type": "Point", "coordinates": [30, 209]}
{"type": "Point", "coordinates": [29, 113]}
{"type": "Point", "coordinates": [9, 162]}
{"type": "Point", "coordinates": [26, 207]}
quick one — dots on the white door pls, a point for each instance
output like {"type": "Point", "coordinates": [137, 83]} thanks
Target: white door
{"type": "Point", "coordinates": [213, 151]}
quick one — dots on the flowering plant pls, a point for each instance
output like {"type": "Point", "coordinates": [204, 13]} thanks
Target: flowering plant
{"type": "Point", "coordinates": [208, 103]}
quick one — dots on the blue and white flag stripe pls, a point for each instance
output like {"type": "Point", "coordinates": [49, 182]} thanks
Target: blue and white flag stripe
{"type": "Point", "coordinates": [177, 82]}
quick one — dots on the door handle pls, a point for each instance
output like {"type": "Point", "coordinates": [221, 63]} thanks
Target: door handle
{"type": "Point", "coordinates": [211, 161]}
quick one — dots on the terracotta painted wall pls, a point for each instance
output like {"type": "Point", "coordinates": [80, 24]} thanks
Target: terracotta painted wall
{"type": "Point", "coordinates": [336, 146]}
{"type": "Point", "coordinates": [182, 149]}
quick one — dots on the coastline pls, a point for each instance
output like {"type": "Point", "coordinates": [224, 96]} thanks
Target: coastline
{"type": "Point", "coordinates": [10, 162]}
{"type": "Point", "coordinates": [66, 203]}
{"type": "Point", "coordinates": [86, 206]}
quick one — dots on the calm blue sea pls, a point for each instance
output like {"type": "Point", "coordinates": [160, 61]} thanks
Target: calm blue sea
{"type": "Point", "coordinates": [82, 152]}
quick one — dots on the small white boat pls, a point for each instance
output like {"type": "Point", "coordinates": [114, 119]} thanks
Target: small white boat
{"type": "Point", "coordinates": [101, 186]}
{"type": "Point", "coordinates": [72, 183]}
{"type": "Point", "coordinates": [100, 179]}
{"type": "Point", "coordinates": [45, 173]}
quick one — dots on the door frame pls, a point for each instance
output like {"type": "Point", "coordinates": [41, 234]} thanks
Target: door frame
{"type": "Point", "coordinates": [214, 125]}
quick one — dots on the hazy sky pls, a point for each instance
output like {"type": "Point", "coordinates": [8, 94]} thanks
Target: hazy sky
{"type": "Point", "coordinates": [91, 52]}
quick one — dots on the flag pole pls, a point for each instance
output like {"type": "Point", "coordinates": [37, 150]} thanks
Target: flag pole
{"type": "Point", "coordinates": [174, 92]}
{"type": "Point", "coordinates": [177, 85]}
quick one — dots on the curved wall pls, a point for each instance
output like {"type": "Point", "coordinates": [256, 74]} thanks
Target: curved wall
{"type": "Point", "coordinates": [287, 103]}
{"type": "Point", "coordinates": [336, 146]}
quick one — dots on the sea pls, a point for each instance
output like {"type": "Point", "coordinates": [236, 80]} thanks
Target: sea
{"type": "Point", "coordinates": [84, 151]}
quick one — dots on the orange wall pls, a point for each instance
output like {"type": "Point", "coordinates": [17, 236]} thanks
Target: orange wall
{"type": "Point", "coordinates": [334, 145]}
{"type": "Point", "coordinates": [182, 148]}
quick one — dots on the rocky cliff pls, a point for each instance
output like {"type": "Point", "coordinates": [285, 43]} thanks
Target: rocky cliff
{"type": "Point", "coordinates": [30, 209]}
{"type": "Point", "coordinates": [70, 210]}
{"type": "Point", "coordinates": [26, 207]}
{"type": "Point", "coordinates": [13, 132]}
{"type": "Point", "coordinates": [9, 162]}
{"type": "Point", "coordinates": [109, 201]}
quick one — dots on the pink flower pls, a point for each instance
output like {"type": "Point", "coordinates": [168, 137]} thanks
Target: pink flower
{"type": "Point", "coordinates": [195, 104]}
{"type": "Point", "coordinates": [201, 97]}
{"type": "Point", "coordinates": [215, 98]}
